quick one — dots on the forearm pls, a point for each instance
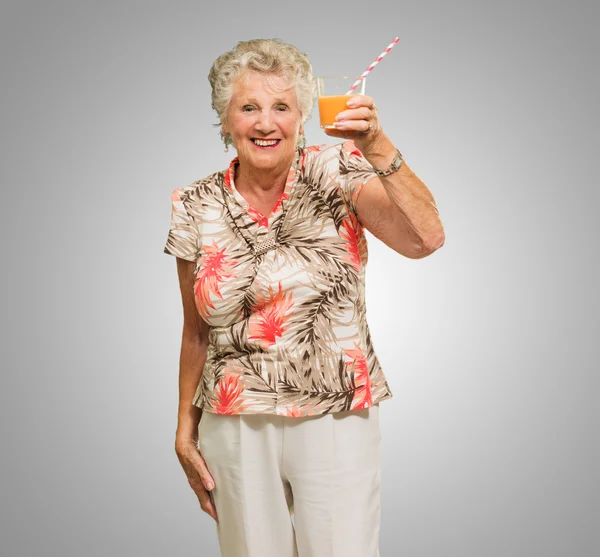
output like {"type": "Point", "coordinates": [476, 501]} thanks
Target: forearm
{"type": "Point", "coordinates": [191, 366]}
{"type": "Point", "coordinates": [409, 195]}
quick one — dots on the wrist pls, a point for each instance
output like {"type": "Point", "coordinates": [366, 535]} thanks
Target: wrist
{"type": "Point", "coordinates": [187, 422]}
{"type": "Point", "coordinates": [392, 167]}
{"type": "Point", "coordinates": [380, 152]}
{"type": "Point", "coordinates": [185, 436]}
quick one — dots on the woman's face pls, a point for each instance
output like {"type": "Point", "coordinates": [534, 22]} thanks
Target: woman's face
{"type": "Point", "coordinates": [264, 123]}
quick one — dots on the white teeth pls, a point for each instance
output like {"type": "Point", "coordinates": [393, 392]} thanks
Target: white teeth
{"type": "Point", "coordinates": [264, 143]}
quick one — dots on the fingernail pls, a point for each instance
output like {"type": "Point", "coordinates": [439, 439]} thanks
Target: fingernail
{"type": "Point", "coordinates": [351, 103]}
{"type": "Point", "coordinates": [339, 125]}
{"type": "Point", "coordinates": [209, 485]}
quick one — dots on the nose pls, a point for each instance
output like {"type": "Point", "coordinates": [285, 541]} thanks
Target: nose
{"type": "Point", "coordinates": [265, 123]}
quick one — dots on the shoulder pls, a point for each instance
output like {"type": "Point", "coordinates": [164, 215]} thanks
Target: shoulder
{"type": "Point", "coordinates": [334, 152]}
{"type": "Point", "coordinates": [342, 161]}
{"type": "Point", "coordinates": [198, 189]}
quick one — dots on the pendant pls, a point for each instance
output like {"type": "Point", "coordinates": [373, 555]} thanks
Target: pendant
{"type": "Point", "coordinates": [263, 247]}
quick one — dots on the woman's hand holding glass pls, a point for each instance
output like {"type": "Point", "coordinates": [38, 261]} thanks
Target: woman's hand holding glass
{"type": "Point", "coordinates": [360, 123]}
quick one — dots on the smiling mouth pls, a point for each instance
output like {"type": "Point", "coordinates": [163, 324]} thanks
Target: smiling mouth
{"type": "Point", "coordinates": [266, 143]}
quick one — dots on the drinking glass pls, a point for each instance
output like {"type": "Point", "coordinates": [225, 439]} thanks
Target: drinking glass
{"type": "Point", "coordinates": [333, 95]}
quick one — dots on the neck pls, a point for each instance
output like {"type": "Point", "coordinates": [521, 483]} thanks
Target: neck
{"type": "Point", "coordinates": [262, 181]}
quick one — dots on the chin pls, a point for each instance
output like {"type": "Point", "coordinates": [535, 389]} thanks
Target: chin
{"type": "Point", "coordinates": [263, 162]}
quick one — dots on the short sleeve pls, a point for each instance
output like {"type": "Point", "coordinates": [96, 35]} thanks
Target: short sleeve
{"type": "Point", "coordinates": [183, 233]}
{"type": "Point", "coordinates": [355, 172]}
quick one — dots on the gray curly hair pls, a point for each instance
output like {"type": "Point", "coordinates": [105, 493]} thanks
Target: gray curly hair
{"type": "Point", "coordinates": [267, 56]}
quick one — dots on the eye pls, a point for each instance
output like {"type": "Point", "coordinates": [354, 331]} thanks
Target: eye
{"type": "Point", "coordinates": [282, 107]}
{"type": "Point", "coordinates": [248, 108]}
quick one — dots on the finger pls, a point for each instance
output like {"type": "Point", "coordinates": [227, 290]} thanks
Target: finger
{"type": "Point", "coordinates": [195, 466]}
{"type": "Point", "coordinates": [202, 470]}
{"type": "Point", "coordinates": [362, 113]}
{"type": "Point", "coordinates": [359, 126]}
{"type": "Point", "coordinates": [361, 100]}
{"type": "Point", "coordinates": [205, 497]}
{"type": "Point", "coordinates": [207, 504]}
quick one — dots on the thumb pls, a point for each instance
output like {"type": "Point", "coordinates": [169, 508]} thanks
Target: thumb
{"type": "Point", "coordinates": [203, 472]}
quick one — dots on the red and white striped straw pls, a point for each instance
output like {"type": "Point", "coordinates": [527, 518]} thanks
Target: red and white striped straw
{"type": "Point", "coordinates": [356, 83]}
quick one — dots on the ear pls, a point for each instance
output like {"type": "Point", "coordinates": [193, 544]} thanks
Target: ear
{"type": "Point", "coordinates": [224, 127]}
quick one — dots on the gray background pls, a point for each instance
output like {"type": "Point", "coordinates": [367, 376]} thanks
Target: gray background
{"type": "Point", "coordinates": [490, 345]}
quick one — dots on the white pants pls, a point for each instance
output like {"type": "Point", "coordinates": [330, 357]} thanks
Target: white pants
{"type": "Point", "coordinates": [322, 470]}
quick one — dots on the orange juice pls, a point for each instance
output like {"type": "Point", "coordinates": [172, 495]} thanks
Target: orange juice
{"type": "Point", "coordinates": [330, 106]}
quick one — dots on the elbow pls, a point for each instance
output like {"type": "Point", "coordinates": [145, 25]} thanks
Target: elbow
{"type": "Point", "coordinates": [436, 242]}
{"type": "Point", "coordinates": [430, 244]}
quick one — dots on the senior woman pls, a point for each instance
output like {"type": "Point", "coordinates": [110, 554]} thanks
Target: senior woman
{"type": "Point", "coordinates": [278, 427]}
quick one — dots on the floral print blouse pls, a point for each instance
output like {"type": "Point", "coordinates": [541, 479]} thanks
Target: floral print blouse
{"type": "Point", "coordinates": [283, 294]}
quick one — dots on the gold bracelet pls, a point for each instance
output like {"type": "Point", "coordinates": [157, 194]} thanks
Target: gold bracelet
{"type": "Point", "coordinates": [396, 163]}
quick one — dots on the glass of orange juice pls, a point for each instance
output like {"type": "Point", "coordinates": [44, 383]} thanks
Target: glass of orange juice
{"type": "Point", "coordinates": [332, 96]}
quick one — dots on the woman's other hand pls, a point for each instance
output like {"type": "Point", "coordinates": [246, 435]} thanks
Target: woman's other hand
{"type": "Point", "coordinates": [196, 470]}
